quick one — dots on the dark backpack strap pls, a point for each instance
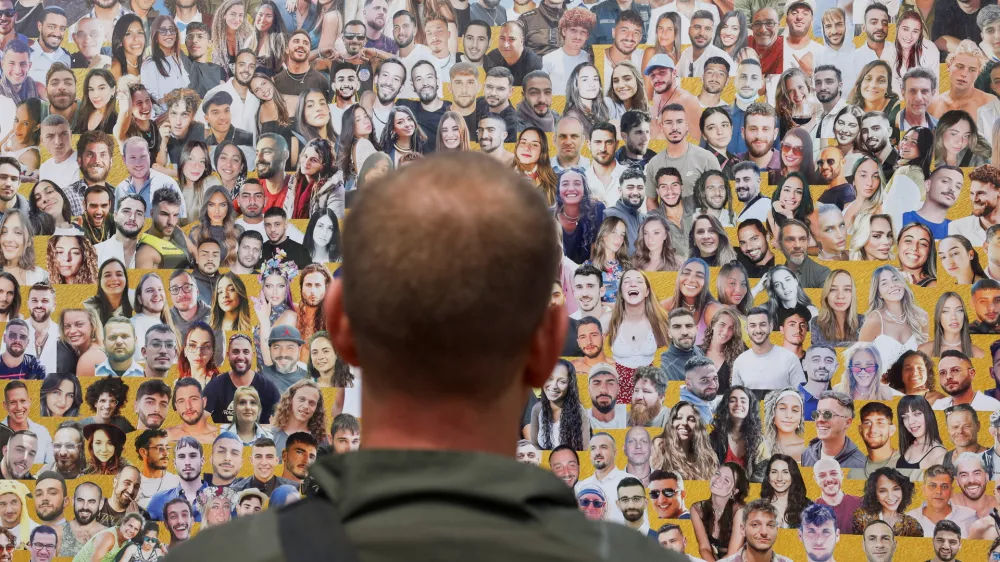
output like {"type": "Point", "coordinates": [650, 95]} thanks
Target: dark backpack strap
{"type": "Point", "coordinates": [310, 526]}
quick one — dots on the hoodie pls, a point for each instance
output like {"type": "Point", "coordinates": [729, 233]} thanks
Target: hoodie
{"type": "Point", "coordinates": [848, 457]}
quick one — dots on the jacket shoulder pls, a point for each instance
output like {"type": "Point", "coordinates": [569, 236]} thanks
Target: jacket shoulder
{"type": "Point", "coordinates": [248, 539]}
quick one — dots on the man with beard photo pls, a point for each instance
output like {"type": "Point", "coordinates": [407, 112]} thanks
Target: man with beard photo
{"type": "Point", "coordinates": [819, 365]}
{"type": "Point", "coordinates": [203, 73]}
{"type": "Point", "coordinates": [249, 248]}
{"type": "Point", "coordinates": [163, 245]}
{"type": "Point", "coordinates": [984, 193]}
{"type": "Point", "coordinates": [635, 133]}
{"type": "Point", "coordinates": [313, 281]}
{"type": "Point", "coordinates": [947, 541]}
{"type": "Point", "coordinates": [701, 386]}
{"type": "Point", "coordinates": [60, 86]}
{"type": "Point", "coordinates": [430, 107]}
{"type": "Point", "coordinates": [681, 330]}
{"type": "Point", "coordinates": [819, 533]}
{"type": "Point", "coordinates": [649, 386]}
{"type": "Point", "coordinates": [512, 54]}
{"type": "Point", "coordinates": [244, 105]}
{"type": "Point", "coordinates": [75, 532]}
{"type": "Point", "coordinates": [760, 528]}
{"type": "Point", "coordinates": [830, 478]}
{"type": "Point", "coordinates": [122, 500]}
{"type": "Point", "coordinates": [43, 543]}
{"type": "Point", "coordinates": [476, 40]}
{"type": "Point", "coordinates": [375, 13]}
{"type": "Point", "coordinates": [766, 41]}
{"type": "Point", "coordinates": [276, 227]}
{"type": "Point", "coordinates": [151, 447]}
{"type": "Point", "coordinates": [67, 448]}
{"type": "Point", "coordinates": [755, 205]}
{"type": "Point", "coordinates": [16, 363]}
{"type": "Point", "coordinates": [119, 340]}
{"type": "Point", "coordinates": [829, 86]}
{"type": "Point", "coordinates": [272, 155]}
{"type": "Point", "coordinates": [97, 221]}
{"type": "Point", "coordinates": [693, 61]}
{"type": "Point", "coordinates": [831, 168]}
{"type": "Point", "coordinates": [151, 404]}
{"type": "Point", "coordinates": [250, 202]}
{"type": "Point", "coordinates": [754, 252]}
{"type": "Point", "coordinates": [605, 411]}
{"type": "Point", "coordinates": [19, 455]}
{"type": "Point", "coordinates": [298, 76]}
{"type": "Point", "coordinates": [492, 132]}
{"type": "Point", "coordinates": [749, 82]}
{"type": "Point", "coordinates": [93, 149]}
{"type": "Point", "coordinates": [800, 50]}
{"type": "Point", "coordinates": [298, 456]}
{"type": "Point", "coordinates": [956, 374]}
{"type": "Point", "coordinates": [143, 180]}
{"type": "Point", "coordinates": [219, 391]}
{"type": "Point", "coordinates": [760, 129]}
{"type": "Point", "coordinates": [691, 160]}
{"type": "Point", "coordinates": [404, 30]}
{"type": "Point", "coordinates": [392, 75]}
{"type": "Point", "coordinates": [629, 207]}
{"type": "Point", "coordinates": [129, 220]}
{"type": "Point", "coordinates": [188, 462]}
{"type": "Point", "coordinates": [590, 340]}
{"type": "Point", "coordinates": [714, 79]}
{"type": "Point", "coordinates": [604, 173]}
{"type": "Point", "coordinates": [189, 403]}
{"type": "Point", "coordinates": [973, 483]}
{"type": "Point", "coordinates": [51, 501]}
{"type": "Point", "coordinates": [464, 93]}
{"type": "Point", "coordinates": [496, 100]}
{"type": "Point", "coordinates": [765, 366]}
{"type": "Point", "coordinates": [177, 515]}
{"type": "Point", "coordinates": [875, 132]}
{"type": "Point", "coordinates": [47, 50]}
{"type": "Point", "coordinates": [345, 92]}
{"type": "Point", "coordinates": [588, 290]}
{"type": "Point", "coordinates": [632, 503]}
{"type": "Point", "coordinates": [363, 60]}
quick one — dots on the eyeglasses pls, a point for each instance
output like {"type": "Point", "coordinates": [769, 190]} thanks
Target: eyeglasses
{"type": "Point", "coordinates": [187, 288]}
{"type": "Point", "coordinates": [8, 547]}
{"type": "Point", "coordinates": [827, 415]}
{"type": "Point", "coordinates": [868, 369]}
{"type": "Point", "coordinates": [596, 503]}
{"type": "Point", "coordinates": [153, 540]}
{"type": "Point", "coordinates": [167, 31]}
{"type": "Point", "coordinates": [789, 149]}
{"type": "Point", "coordinates": [353, 36]}
{"type": "Point", "coordinates": [7, 13]}
{"type": "Point", "coordinates": [829, 162]}
{"type": "Point", "coordinates": [201, 349]}
{"type": "Point", "coordinates": [667, 493]}
{"type": "Point", "coordinates": [770, 24]}
{"type": "Point", "coordinates": [157, 345]}
{"type": "Point", "coordinates": [42, 546]}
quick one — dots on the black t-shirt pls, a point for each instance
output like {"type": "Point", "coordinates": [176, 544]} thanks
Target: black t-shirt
{"type": "Point", "coordinates": [220, 391]}
{"type": "Point", "coordinates": [509, 116]}
{"type": "Point", "coordinates": [949, 19]}
{"type": "Point", "coordinates": [366, 77]}
{"type": "Point", "coordinates": [528, 62]}
{"type": "Point", "coordinates": [294, 85]}
{"type": "Point", "coordinates": [174, 146]}
{"type": "Point", "coordinates": [295, 251]}
{"type": "Point", "coordinates": [28, 19]}
{"type": "Point", "coordinates": [429, 121]}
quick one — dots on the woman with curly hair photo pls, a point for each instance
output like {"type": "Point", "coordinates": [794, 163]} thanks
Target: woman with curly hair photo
{"type": "Point", "coordinates": [784, 423]}
{"type": "Point", "coordinates": [105, 397]}
{"type": "Point", "coordinates": [913, 375]}
{"type": "Point", "coordinates": [684, 447]}
{"type": "Point", "coordinates": [71, 260]}
{"type": "Point", "coordinates": [736, 431]}
{"type": "Point", "coordinates": [558, 418]}
{"type": "Point", "coordinates": [887, 495]}
{"type": "Point", "coordinates": [300, 409]}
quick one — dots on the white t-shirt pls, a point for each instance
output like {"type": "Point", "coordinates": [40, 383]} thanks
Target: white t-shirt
{"type": "Point", "coordinates": [775, 369]}
{"type": "Point", "coordinates": [419, 53]}
{"type": "Point", "coordinates": [980, 403]}
{"type": "Point", "coordinates": [620, 421]}
{"type": "Point", "coordinates": [559, 65]}
{"type": "Point", "coordinates": [60, 174]}
{"type": "Point", "coordinates": [811, 47]}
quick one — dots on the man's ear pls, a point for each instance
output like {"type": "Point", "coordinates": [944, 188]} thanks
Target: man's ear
{"type": "Point", "coordinates": [337, 324]}
{"type": "Point", "coordinates": [546, 346]}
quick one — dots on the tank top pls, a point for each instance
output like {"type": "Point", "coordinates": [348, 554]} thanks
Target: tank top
{"type": "Point", "coordinates": [171, 257]}
{"type": "Point", "coordinates": [902, 462]}
{"type": "Point", "coordinates": [87, 552]}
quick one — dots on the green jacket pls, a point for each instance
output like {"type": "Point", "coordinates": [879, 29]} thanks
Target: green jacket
{"type": "Point", "coordinates": [421, 505]}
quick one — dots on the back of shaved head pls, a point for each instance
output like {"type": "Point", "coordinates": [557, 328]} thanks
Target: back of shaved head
{"type": "Point", "coordinates": [447, 273]}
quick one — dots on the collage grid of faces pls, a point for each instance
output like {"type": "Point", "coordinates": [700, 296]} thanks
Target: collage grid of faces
{"type": "Point", "coordinates": [780, 224]}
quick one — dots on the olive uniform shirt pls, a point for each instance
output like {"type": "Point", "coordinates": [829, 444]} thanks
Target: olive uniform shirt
{"type": "Point", "coordinates": [429, 505]}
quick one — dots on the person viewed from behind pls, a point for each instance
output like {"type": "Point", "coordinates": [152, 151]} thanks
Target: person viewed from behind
{"type": "Point", "coordinates": [450, 204]}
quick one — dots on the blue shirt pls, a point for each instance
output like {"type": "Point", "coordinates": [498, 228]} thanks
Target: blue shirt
{"type": "Point", "coordinates": [938, 229]}
{"type": "Point", "coordinates": [704, 408]}
{"type": "Point", "coordinates": [607, 14]}
{"type": "Point", "coordinates": [155, 182]}
{"type": "Point", "coordinates": [160, 499]}
{"type": "Point", "coordinates": [29, 369]}
{"type": "Point", "coordinates": [105, 370]}
{"type": "Point", "coordinates": [809, 402]}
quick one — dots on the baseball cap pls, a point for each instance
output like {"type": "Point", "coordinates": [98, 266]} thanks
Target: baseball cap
{"type": "Point", "coordinates": [285, 333]}
{"type": "Point", "coordinates": [806, 3]}
{"type": "Point", "coordinates": [601, 369]}
{"type": "Point", "coordinates": [659, 61]}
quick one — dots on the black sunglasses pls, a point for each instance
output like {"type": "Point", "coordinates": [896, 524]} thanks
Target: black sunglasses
{"type": "Point", "coordinates": [667, 493]}
{"type": "Point", "coordinates": [596, 503]}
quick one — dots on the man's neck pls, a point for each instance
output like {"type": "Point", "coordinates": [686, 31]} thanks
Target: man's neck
{"type": "Point", "coordinates": [603, 170]}
{"type": "Point", "coordinates": [120, 366]}
{"type": "Point", "coordinates": [624, 5]}
{"type": "Point", "coordinates": [798, 42]}
{"type": "Point", "coordinates": [634, 524]}
{"type": "Point", "coordinates": [191, 487]}
{"type": "Point", "coordinates": [241, 380]}
{"type": "Point", "coordinates": [15, 425]}
{"type": "Point", "coordinates": [839, 180]}
{"type": "Point", "coordinates": [834, 501]}
{"type": "Point", "coordinates": [240, 89]}
{"type": "Point", "coordinates": [186, 14]}
{"type": "Point", "coordinates": [833, 446]}
{"type": "Point", "coordinates": [630, 154]}
{"type": "Point", "coordinates": [828, 106]}
{"type": "Point", "coordinates": [499, 108]}
{"type": "Point", "coordinates": [639, 470]}
{"type": "Point", "coordinates": [964, 398]}
{"type": "Point", "coordinates": [139, 182]}
{"type": "Point", "coordinates": [11, 361]}
{"type": "Point", "coordinates": [463, 111]}
{"type": "Point", "coordinates": [275, 183]}
{"type": "Point", "coordinates": [149, 472]}
{"type": "Point", "coordinates": [220, 136]}
{"type": "Point", "coordinates": [296, 67]}
{"type": "Point", "coordinates": [676, 150]}
{"type": "Point", "coordinates": [932, 211]}
{"type": "Point", "coordinates": [239, 269]}
{"type": "Point", "coordinates": [69, 113]}
{"type": "Point", "coordinates": [189, 314]}
{"type": "Point", "coordinates": [936, 515]}
{"type": "Point", "coordinates": [344, 103]}
{"type": "Point", "coordinates": [128, 243]}
{"type": "Point", "coordinates": [407, 50]}
{"type": "Point", "coordinates": [42, 326]}
{"type": "Point", "coordinates": [568, 163]}
{"type": "Point", "coordinates": [880, 454]}
{"type": "Point", "coordinates": [709, 99]}
{"type": "Point", "coordinates": [601, 416]}
{"type": "Point", "coordinates": [751, 555]}
{"type": "Point", "coordinates": [763, 161]}
{"type": "Point", "coordinates": [914, 119]}
{"type": "Point", "coordinates": [744, 103]}
{"type": "Point", "coordinates": [876, 46]}
{"type": "Point", "coordinates": [107, 14]}
{"type": "Point", "coordinates": [816, 388]}
{"type": "Point", "coordinates": [763, 348]}
{"type": "Point", "coordinates": [151, 373]}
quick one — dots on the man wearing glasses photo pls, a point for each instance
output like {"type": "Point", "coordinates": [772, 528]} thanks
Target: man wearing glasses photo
{"type": "Point", "coordinates": [834, 414]}
{"type": "Point", "coordinates": [666, 490]}
{"type": "Point", "coordinates": [43, 544]}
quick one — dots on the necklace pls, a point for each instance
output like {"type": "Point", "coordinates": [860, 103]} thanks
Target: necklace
{"type": "Point", "coordinates": [294, 79]}
{"type": "Point", "coordinates": [129, 63]}
{"type": "Point", "coordinates": [493, 19]}
{"type": "Point", "coordinates": [688, 307]}
{"type": "Point", "coordinates": [403, 150]}
{"type": "Point", "coordinates": [894, 318]}
{"type": "Point", "coordinates": [571, 220]}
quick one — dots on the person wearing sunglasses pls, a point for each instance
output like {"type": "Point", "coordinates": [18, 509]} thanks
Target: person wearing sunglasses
{"type": "Point", "coordinates": [831, 168]}
{"type": "Point", "coordinates": [766, 41]}
{"type": "Point", "coordinates": [593, 503]}
{"type": "Point", "coordinates": [8, 542]}
{"type": "Point", "coordinates": [834, 414]}
{"type": "Point", "coordinates": [666, 490]}
{"type": "Point", "coordinates": [145, 547]}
